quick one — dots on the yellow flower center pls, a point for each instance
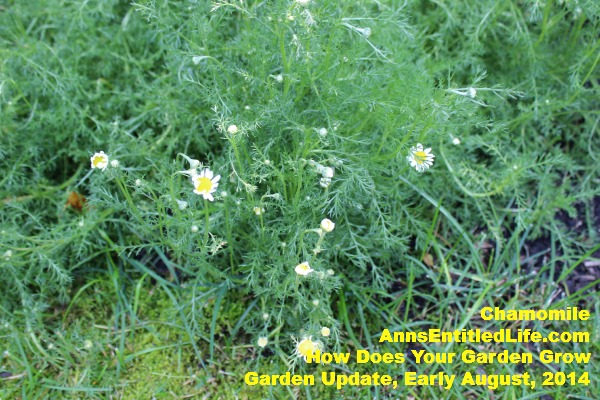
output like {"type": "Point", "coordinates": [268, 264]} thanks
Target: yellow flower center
{"type": "Point", "coordinates": [306, 347]}
{"type": "Point", "coordinates": [98, 160]}
{"type": "Point", "coordinates": [420, 157]}
{"type": "Point", "coordinates": [203, 185]}
{"type": "Point", "coordinates": [304, 267]}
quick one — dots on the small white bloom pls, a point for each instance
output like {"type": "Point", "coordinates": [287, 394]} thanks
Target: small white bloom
{"type": "Point", "coordinates": [81, 224]}
{"type": "Point", "coordinates": [265, 316]}
{"type": "Point", "coordinates": [206, 184]}
{"type": "Point", "coordinates": [238, 202]}
{"type": "Point", "coordinates": [303, 2]}
{"type": "Point", "coordinates": [114, 163]}
{"type": "Point", "coordinates": [258, 210]}
{"type": "Point", "coordinates": [325, 182]}
{"type": "Point", "coordinates": [194, 228]}
{"type": "Point", "coordinates": [7, 254]}
{"type": "Point", "coordinates": [472, 92]}
{"type": "Point", "coordinates": [223, 194]}
{"type": "Point", "coordinates": [330, 272]}
{"type": "Point", "coordinates": [246, 107]}
{"type": "Point", "coordinates": [420, 158]}
{"type": "Point", "coordinates": [328, 172]}
{"type": "Point", "coordinates": [88, 344]}
{"type": "Point", "coordinates": [279, 78]}
{"type": "Point", "coordinates": [456, 141]}
{"type": "Point", "coordinates": [99, 161]}
{"type": "Point", "coordinates": [327, 225]}
{"type": "Point", "coordinates": [303, 269]}
{"type": "Point", "coordinates": [262, 341]}
{"type": "Point", "coordinates": [196, 59]}
{"type": "Point", "coordinates": [283, 245]}
{"type": "Point", "coordinates": [515, 167]}
{"type": "Point", "coordinates": [267, 162]}
{"type": "Point", "coordinates": [50, 346]}
{"type": "Point", "coordinates": [291, 17]}
{"type": "Point", "coordinates": [307, 346]}
{"type": "Point", "coordinates": [325, 331]}
{"type": "Point", "coordinates": [323, 132]}
{"type": "Point", "coordinates": [232, 129]}
{"type": "Point", "coordinates": [138, 182]}
{"type": "Point", "coordinates": [315, 302]}
{"type": "Point", "coordinates": [182, 204]}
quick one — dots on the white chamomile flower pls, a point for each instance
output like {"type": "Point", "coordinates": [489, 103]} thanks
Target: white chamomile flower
{"type": "Point", "coordinates": [327, 225]}
{"type": "Point", "coordinates": [316, 302]}
{"type": "Point", "coordinates": [328, 172]}
{"type": "Point", "coordinates": [265, 316]}
{"type": "Point", "coordinates": [325, 331]}
{"type": "Point", "coordinates": [267, 162]}
{"type": "Point", "coordinates": [279, 78]}
{"type": "Point", "coordinates": [307, 347]}
{"type": "Point", "coordinates": [420, 158]}
{"type": "Point", "coordinates": [138, 182]}
{"type": "Point", "coordinates": [206, 184]}
{"type": "Point", "coordinates": [323, 132]}
{"type": "Point", "coordinates": [262, 341]}
{"type": "Point", "coordinates": [194, 228]}
{"type": "Point", "coordinates": [81, 223]}
{"type": "Point", "coordinates": [114, 163]}
{"type": "Point", "coordinates": [258, 210]}
{"type": "Point", "coordinates": [303, 269]}
{"type": "Point", "coordinates": [99, 161]}
{"type": "Point", "coordinates": [232, 129]}
{"type": "Point", "coordinates": [456, 141]}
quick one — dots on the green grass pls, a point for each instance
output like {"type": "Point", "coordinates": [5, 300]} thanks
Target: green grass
{"type": "Point", "coordinates": [151, 291]}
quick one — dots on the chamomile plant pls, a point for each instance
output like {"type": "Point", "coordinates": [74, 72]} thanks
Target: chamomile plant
{"type": "Point", "coordinates": [294, 173]}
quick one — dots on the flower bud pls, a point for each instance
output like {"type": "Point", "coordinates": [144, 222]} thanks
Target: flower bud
{"type": "Point", "coordinates": [327, 225]}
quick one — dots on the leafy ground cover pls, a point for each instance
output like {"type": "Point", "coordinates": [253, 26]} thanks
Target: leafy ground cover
{"type": "Point", "coordinates": [200, 243]}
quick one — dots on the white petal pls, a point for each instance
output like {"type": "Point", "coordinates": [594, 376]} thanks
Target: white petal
{"type": "Point", "coordinates": [209, 174]}
{"type": "Point", "coordinates": [216, 179]}
{"type": "Point", "coordinates": [209, 197]}
{"type": "Point", "coordinates": [428, 150]}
